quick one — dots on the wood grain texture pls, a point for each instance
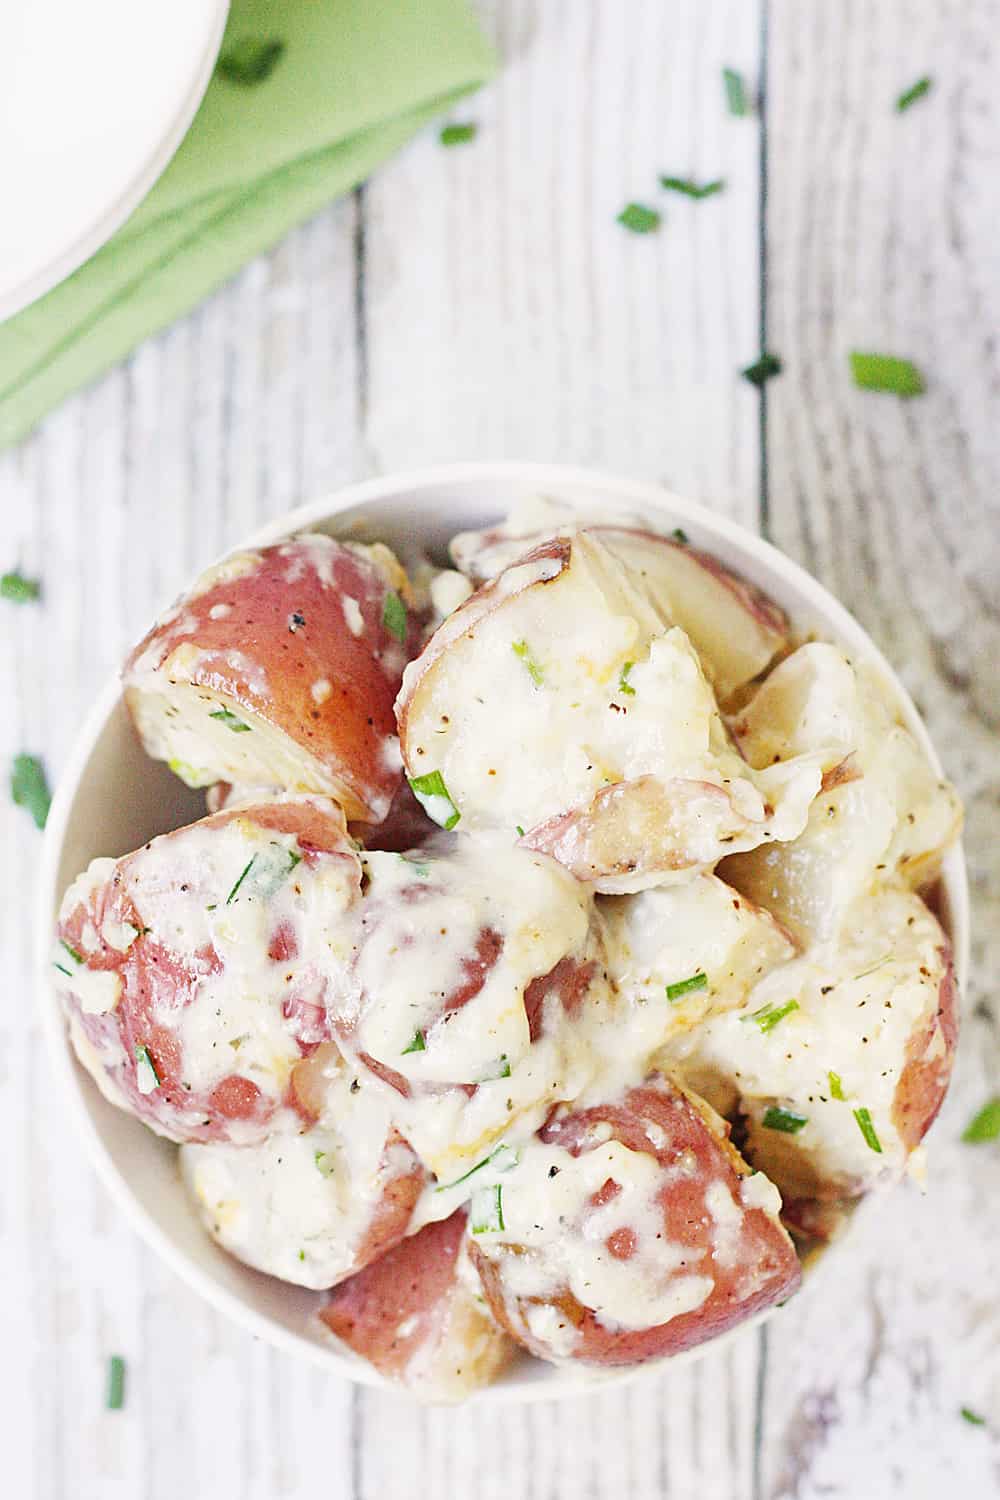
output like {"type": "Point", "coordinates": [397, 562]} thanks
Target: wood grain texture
{"type": "Point", "coordinates": [481, 301]}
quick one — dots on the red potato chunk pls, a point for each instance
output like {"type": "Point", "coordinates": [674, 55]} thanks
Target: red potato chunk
{"type": "Point", "coordinates": [194, 971]}
{"type": "Point", "coordinates": [629, 1231]}
{"type": "Point", "coordinates": [735, 628]}
{"type": "Point", "coordinates": [319, 1200]}
{"type": "Point", "coordinates": [280, 667]}
{"type": "Point", "coordinates": [464, 979]}
{"type": "Point", "coordinates": [883, 813]}
{"type": "Point", "coordinates": [560, 703]}
{"type": "Point", "coordinates": [836, 1065]}
{"type": "Point", "coordinates": [415, 1314]}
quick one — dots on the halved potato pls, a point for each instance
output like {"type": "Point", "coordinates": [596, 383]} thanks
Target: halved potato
{"type": "Point", "coordinates": [630, 1230]}
{"type": "Point", "coordinates": [280, 667]}
{"type": "Point", "coordinates": [194, 971]}
{"type": "Point", "coordinates": [559, 705]}
{"type": "Point", "coordinates": [416, 1315]}
{"type": "Point", "coordinates": [837, 1063]}
{"type": "Point", "coordinates": [882, 815]}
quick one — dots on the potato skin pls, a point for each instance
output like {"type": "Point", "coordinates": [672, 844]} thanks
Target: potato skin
{"type": "Point", "coordinates": [296, 636]}
{"type": "Point", "coordinates": [410, 1315]}
{"type": "Point", "coordinates": [156, 981]}
{"type": "Point", "coordinates": [694, 1157]}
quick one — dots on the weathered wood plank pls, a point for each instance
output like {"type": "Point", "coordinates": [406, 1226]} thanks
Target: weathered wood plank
{"type": "Point", "coordinates": [881, 237]}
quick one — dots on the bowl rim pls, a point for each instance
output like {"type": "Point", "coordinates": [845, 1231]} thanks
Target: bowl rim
{"type": "Point", "coordinates": [559, 1381]}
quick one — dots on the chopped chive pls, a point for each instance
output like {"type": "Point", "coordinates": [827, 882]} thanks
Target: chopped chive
{"type": "Point", "coordinates": [324, 1162]}
{"type": "Point", "coordinates": [230, 720]}
{"type": "Point", "coordinates": [62, 969]}
{"type": "Point", "coordinates": [639, 219]}
{"type": "Point", "coordinates": [768, 1016]}
{"type": "Point", "coordinates": [418, 1044]}
{"type": "Point", "coordinates": [486, 1210]}
{"type": "Point", "coordinates": [912, 94]}
{"type": "Point", "coordinates": [524, 654]}
{"type": "Point", "coordinates": [243, 875]}
{"type": "Point", "coordinates": [692, 189]}
{"type": "Point", "coordinates": [435, 799]}
{"type": "Point", "coordinates": [969, 1415]}
{"type": "Point", "coordinates": [680, 536]}
{"type": "Point", "coordinates": [788, 1121]}
{"type": "Point", "coordinates": [501, 1070]}
{"type": "Point", "coordinates": [836, 1086]}
{"type": "Point", "coordinates": [520, 830]}
{"type": "Point", "coordinates": [697, 981]}
{"type": "Point", "coordinates": [29, 788]}
{"type": "Point", "coordinates": [302, 1255]}
{"type": "Point", "coordinates": [624, 686]}
{"type": "Point", "coordinates": [984, 1126]}
{"type": "Point", "coordinates": [763, 370]}
{"type": "Point", "coordinates": [250, 60]}
{"type": "Point", "coordinates": [458, 135]}
{"type": "Point", "coordinates": [884, 372]}
{"type": "Point", "coordinates": [394, 616]}
{"type": "Point", "coordinates": [502, 1166]}
{"type": "Point", "coordinates": [18, 589]}
{"type": "Point", "coordinates": [74, 955]}
{"type": "Point", "coordinates": [147, 1078]}
{"type": "Point", "coordinates": [736, 94]}
{"type": "Point", "coordinates": [116, 1383]}
{"type": "Point", "coordinates": [867, 1129]}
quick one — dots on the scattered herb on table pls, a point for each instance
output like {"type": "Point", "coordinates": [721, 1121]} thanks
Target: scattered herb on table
{"type": "Point", "coordinates": [984, 1126]}
{"type": "Point", "coordinates": [912, 94]}
{"type": "Point", "coordinates": [18, 589]}
{"type": "Point", "coordinates": [29, 788]}
{"type": "Point", "coordinates": [736, 94]}
{"type": "Point", "coordinates": [639, 218]}
{"type": "Point", "coordinates": [116, 1383]}
{"type": "Point", "coordinates": [884, 372]}
{"type": "Point", "coordinates": [697, 981]}
{"type": "Point", "coordinates": [763, 370]}
{"type": "Point", "coordinates": [972, 1417]}
{"type": "Point", "coordinates": [250, 61]}
{"type": "Point", "coordinates": [458, 135]}
{"type": "Point", "coordinates": [691, 189]}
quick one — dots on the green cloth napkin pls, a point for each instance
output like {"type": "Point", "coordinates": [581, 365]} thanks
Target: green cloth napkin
{"type": "Point", "coordinates": [356, 79]}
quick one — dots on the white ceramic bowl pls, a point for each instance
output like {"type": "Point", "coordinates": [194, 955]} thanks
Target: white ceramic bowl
{"type": "Point", "coordinates": [112, 798]}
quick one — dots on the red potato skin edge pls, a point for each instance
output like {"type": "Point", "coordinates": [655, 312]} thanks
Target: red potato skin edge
{"type": "Point", "coordinates": [776, 1263]}
{"type": "Point", "coordinates": [346, 733]}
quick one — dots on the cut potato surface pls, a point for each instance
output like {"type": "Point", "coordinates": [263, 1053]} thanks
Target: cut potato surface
{"type": "Point", "coordinates": [884, 814]}
{"type": "Point", "coordinates": [560, 704]}
{"type": "Point", "coordinates": [313, 1203]}
{"type": "Point", "coordinates": [629, 1231]}
{"type": "Point", "coordinates": [838, 1061]}
{"type": "Point", "coordinates": [417, 1316]}
{"type": "Point", "coordinates": [194, 970]}
{"type": "Point", "coordinates": [280, 668]}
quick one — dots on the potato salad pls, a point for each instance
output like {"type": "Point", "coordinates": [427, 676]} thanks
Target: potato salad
{"type": "Point", "coordinates": [556, 962]}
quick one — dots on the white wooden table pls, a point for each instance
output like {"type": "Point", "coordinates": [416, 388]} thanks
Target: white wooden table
{"type": "Point", "coordinates": [482, 302]}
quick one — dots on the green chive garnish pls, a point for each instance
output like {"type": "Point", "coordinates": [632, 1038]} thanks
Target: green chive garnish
{"type": "Point", "coordinates": [74, 955]}
{"type": "Point", "coordinates": [836, 1086]}
{"type": "Point", "coordinates": [116, 1383]}
{"type": "Point", "coordinates": [520, 831]}
{"type": "Point", "coordinates": [639, 218]}
{"type": "Point", "coordinates": [736, 94]}
{"type": "Point", "coordinates": [686, 986]}
{"type": "Point", "coordinates": [394, 616]}
{"type": "Point", "coordinates": [29, 788]}
{"type": "Point", "coordinates": [912, 94]}
{"type": "Point", "coordinates": [768, 1016]}
{"type": "Point", "coordinates": [867, 1129]}
{"type": "Point", "coordinates": [680, 536]}
{"type": "Point", "coordinates": [250, 60]}
{"type": "Point", "coordinates": [763, 370]}
{"type": "Point", "coordinates": [501, 1070]}
{"type": "Point", "coordinates": [417, 1045]}
{"type": "Point", "coordinates": [486, 1210]}
{"type": "Point", "coordinates": [458, 135]}
{"type": "Point", "coordinates": [692, 189]}
{"type": "Point", "coordinates": [884, 372]}
{"type": "Point", "coordinates": [969, 1415]}
{"type": "Point", "coordinates": [147, 1077]}
{"type": "Point", "coordinates": [788, 1121]}
{"type": "Point", "coordinates": [503, 1166]}
{"type": "Point", "coordinates": [18, 589]}
{"type": "Point", "coordinates": [435, 799]}
{"type": "Point", "coordinates": [524, 654]}
{"type": "Point", "coordinates": [230, 720]}
{"type": "Point", "coordinates": [985, 1126]}
{"type": "Point", "coordinates": [242, 876]}
{"type": "Point", "coordinates": [325, 1163]}
{"type": "Point", "coordinates": [624, 686]}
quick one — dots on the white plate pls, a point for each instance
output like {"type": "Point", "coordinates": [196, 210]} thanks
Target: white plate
{"type": "Point", "coordinates": [96, 98]}
{"type": "Point", "coordinates": [111, 798]}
